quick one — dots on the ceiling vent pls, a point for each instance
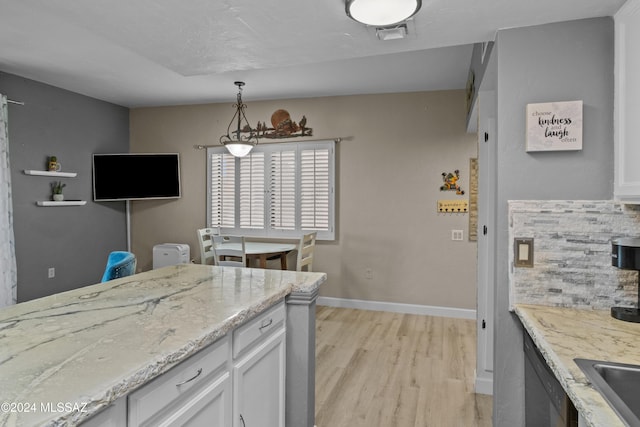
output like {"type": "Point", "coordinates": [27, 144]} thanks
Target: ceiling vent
{"type": "Point", "coordinates": [399, 31]}
{"type": "Point", "coordinates": [392, 33]}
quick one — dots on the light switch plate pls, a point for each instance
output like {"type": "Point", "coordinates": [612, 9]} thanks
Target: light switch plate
{"type": "Point", "coordinates": [523, 251]}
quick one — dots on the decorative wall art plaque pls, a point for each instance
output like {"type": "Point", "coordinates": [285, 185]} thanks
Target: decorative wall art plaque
{"type": "Point", "coordinates": [450, 182]}
{"type": "Point", "coordinates": [554, 126]}
{"type": "Point", "coordinates": [283, 127]}
{"type": "Point", "coordinates": [453, 206]}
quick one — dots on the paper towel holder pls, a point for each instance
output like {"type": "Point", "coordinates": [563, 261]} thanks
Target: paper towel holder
{"type": "Point", "coordinates": [625, 254]}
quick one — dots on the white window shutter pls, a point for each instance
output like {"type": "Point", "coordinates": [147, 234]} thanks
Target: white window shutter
{"type": "Point", "coordinates": [282, 190]}
{"type": "Point", "coordinates": [222, 190]}
{"type": "Point", "coordinates": [252, 189]}
{"type": "Point", "coordinates": [315, 189]}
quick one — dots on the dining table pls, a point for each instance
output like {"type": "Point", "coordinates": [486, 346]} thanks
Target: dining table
{"type": "Point", "coordinates": [265, 250]}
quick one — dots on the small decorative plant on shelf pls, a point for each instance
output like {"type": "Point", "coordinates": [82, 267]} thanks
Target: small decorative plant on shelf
{"type": "Point", "coordinates": [56, 188]}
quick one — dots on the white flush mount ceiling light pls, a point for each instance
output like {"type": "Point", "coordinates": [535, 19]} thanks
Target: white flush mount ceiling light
{"type": "Point", "coordinates": [243, 138]}
{"type": "Point", "coordinates": [382, 13]}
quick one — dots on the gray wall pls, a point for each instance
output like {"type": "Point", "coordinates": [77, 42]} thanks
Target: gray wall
{"type": "Point", "coordinates": [556, 62]}
{"type": "Point", "coordinates": [74, 240]}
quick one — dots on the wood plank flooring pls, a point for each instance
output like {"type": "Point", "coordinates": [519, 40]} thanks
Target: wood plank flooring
{"type": "Point", "coordinates": [396, 370]}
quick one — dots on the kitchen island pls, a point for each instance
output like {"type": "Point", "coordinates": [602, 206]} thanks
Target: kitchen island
{"type": "Point", "coordinates": [562, 334]}
{"type": "Point", "coordinates": [65, 357]}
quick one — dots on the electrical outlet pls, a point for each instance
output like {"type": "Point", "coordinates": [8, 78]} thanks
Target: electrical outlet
{"type": "Point", "coordinates": [51, 273]}
{"type": "Point", "coordinates": [456, 234]}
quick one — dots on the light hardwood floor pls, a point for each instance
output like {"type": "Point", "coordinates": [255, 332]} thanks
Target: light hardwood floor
{"type": "Point", "coordinates": [396, 370]}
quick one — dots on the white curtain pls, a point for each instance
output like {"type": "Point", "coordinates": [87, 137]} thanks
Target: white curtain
{"type": "Point", "coordinates": [8, 274]}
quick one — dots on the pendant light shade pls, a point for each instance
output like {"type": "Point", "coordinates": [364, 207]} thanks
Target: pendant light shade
{"type": "Point", "coordinates": [241, 140]}
{"type": "Point", "coordinates": [381, 13]}
{"type": "Point", "coordinates": [239, 149]}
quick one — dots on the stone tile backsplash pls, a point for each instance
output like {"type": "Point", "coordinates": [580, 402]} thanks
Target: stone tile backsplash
{"type": "Point", "coordinates": [572, 253]}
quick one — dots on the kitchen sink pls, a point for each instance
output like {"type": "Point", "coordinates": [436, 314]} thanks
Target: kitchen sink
{"type": "Point", "coordinates": [618, 383]}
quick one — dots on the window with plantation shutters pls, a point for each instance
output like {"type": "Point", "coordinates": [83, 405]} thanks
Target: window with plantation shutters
{"type": "Point", "coordinates": [278, 190]}
{"type": "Point", "coordinates": [221, 195]}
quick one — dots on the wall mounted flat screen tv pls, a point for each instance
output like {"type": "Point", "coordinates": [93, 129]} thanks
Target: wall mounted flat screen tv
{"type": "Point", "coordinates": [136, 176]}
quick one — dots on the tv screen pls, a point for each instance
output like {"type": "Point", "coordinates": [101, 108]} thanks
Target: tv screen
{"type": "Point", "coordinates": [136, 176]}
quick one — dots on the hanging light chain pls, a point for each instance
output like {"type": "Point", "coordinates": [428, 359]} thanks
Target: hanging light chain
{"type": "Point", "coordinates": [239, 117]}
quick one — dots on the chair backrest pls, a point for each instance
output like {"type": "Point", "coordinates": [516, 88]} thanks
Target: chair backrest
{"type": "Point", "coordinates": [225, 247]}
{"type": "Point", "coordinates": [305, 252]}
{"type": "Point", "coordinates": [206, 244]}
{"type": "Point", "coordinates": [119, 264]}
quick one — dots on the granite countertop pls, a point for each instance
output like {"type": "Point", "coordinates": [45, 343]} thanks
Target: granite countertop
{"type": "Point", "coordinates": [563, 334]}
{"type": "Point", "coordinates": [66, 356]}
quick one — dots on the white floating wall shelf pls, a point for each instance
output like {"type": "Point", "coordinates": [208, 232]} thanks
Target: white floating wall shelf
{"type": "Point", "coordinates": [63, 203]}
{"type": "Point", "coordinates": [47, 173]}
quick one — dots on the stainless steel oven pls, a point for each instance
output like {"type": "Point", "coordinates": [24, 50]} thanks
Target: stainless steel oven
{"type": "Point", "coordinates": [546, 402]}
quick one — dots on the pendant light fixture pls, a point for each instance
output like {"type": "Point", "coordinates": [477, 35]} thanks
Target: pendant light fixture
{"type": "Point", "coordinates": [241, 140]}
{"type": "Point", "coordinates": [382, 13]}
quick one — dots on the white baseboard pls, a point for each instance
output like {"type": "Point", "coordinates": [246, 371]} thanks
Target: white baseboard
{"type": "Point", "coordinates": [460, 313]}
{"type": "Point", "coordinates": [484, 386]}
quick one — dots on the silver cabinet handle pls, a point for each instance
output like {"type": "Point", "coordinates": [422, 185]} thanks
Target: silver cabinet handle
{"type": "Point", "coordinates": [266, 325]}
{"type": "Point", "coordinates": [191, 379]}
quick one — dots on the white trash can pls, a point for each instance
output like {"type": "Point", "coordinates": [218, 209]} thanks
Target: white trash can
{"type": "Point", "coordinates": [170, 254]}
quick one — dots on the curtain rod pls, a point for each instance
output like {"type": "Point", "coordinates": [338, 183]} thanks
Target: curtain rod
{"type": "Point", "coordinates": [203, 147]}
{"type": "Point", "coordinates": [11, 101]}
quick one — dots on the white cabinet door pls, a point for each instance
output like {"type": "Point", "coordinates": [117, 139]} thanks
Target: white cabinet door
{"type": "Point", "coordinates": [627, 102]}
{"type": "Point", "coordinates": [259, 385]}
{"type": "Point", "coordinates": [207, 408]}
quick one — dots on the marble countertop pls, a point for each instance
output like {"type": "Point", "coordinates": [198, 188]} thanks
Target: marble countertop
{"type": "Point", "coordinates": [563, 334]}
{"type": "Point", "coordinates": [66, 356]}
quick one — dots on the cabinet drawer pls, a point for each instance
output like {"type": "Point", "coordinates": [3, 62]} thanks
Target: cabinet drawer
{"type": "Point", "coordinates": [257, 328]}
{"type": "Point", "coordinates": [178, 384]}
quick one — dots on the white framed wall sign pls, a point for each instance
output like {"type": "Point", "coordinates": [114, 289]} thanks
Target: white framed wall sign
{"type": "Point", "coordinates": [554, 126]}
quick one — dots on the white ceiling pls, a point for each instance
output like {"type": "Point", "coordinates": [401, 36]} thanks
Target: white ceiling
{"type": "Point", "coordinates": [167, 52]}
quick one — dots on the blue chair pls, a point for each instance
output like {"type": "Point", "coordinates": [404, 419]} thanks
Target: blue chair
{"type": "Point", "coordinates": [119, 264]}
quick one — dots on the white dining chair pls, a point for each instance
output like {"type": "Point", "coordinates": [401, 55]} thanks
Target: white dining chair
{"type": "Point", "coordinates": [225, 247]}
{"type": "Point", "coordinates": [306, 248]}
{"type": "Point", "coordinates": [206, 244]}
